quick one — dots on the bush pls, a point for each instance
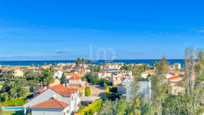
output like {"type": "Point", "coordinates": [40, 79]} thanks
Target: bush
{"type": "Point", "coordinates": [87, 91]}
{"type": "Point", "coordinates": [15, 102]}
{"type": "Point", "coordinates": [111, 92]}
{"type": "Point", "coordinates": [92, 108]}
{"type": "Point", "coordinates": [81, 108]}
{"type": "Point", "coordinates": [83, 78]}
{"type": "Point", "coordinates": [105, 85]}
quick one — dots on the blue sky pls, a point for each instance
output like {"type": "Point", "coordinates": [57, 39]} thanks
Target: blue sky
{"type": "Point", "coordinates": [124, 29]}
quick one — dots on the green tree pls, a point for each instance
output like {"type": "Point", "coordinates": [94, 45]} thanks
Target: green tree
{"type": "Point", "coordinates": [63, 80]}
{"type": "Point", "coordinates": [7, 75]}
{"type": "Point", "coordinates": [47, 75]}
{"type": "Point", "coordinates": [159, 86]}
{"type": "Point", "coordinates": [38, 65]}
{"type": "Point", "coordinates": [87, 91]}
{"type": "Point", "coordinates": [31, 65]}
{"type": "Point", "coordinates": [44, 63]}
{"type": "Point", "coordinates": [105, 85]}
{"type": "Point", "coordinates": [32, 83]}
{"type": "Point", "coordinates": [117, 107]}
{"type": "Point", "coordinates": [55, 64]}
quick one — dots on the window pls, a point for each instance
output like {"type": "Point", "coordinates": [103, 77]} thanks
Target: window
{"type": "Point", "coordinates": [72, 81]}
{"type": "Point", "coordinates": [72, 97]}
{"type": "Point", "coordinates": [64, 113]}
{"type": "Point", "coordinates": [67, 111]}
{"type": "Point", "coordinates": [76, 81]}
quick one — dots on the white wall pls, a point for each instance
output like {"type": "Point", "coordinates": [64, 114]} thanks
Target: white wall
{"type": "Point", "coordinates": [145, 88]}
{"type": "Point", "coordinates": [58, 74]}
{"type": "Point", "coordinates": [39, 111]}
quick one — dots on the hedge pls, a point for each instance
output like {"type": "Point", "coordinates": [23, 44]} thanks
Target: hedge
{"type": "Point", "coordinates": [111, 91]}
{"type": "Point", "coordinates": [15, 102]}
{"type": "Point", "coordinates": [92, 108]}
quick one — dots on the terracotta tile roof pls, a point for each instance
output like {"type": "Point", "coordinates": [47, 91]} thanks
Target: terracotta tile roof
{"type": "Point", "coordinates": [75, 77]}
{"type": "Point", "coordinates": [174, 77]}
{"type": "Point", "coordinates": [106, 72]}
{"type": "Point", "coordinates": [51, 103]}
{"type": "Point", "coordinates": [67, 74]}
{"type": "Point", "coordinates": [60, 89]}
{"type": "Point", "coordinates": [85, 69]}
{"type": "Point", "coordinates": [75, 87]}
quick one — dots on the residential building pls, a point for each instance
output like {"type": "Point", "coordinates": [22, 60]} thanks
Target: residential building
{"type": "Point", "coordinates": [175, 86]}
{"type": "Point", "coordinates": [75, 80]}
{"type": "Point", "coordinates": [147, 72]}
{"type": "Point", "coordinates": [58, 74]}
{"type": "Point", "coordinates": [117, 78]}
{"type": "Point", "coordinates": [104, 74]}
{"type": "Point", "coordinates": [175, 66]}
{"type": "Point", "coordinates": [56, 100]}
{"type": "Point", "coordinates": [18, 73]}
{"type": "Point", "coordinates": [145, 88]}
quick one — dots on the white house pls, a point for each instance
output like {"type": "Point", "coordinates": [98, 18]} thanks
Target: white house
{"type": "Point", "coordinates": [145, 88]}
{"type": "Point", "coordinates": [56, 100]}
{"type": "Point", "coordinates": [58, 74]}
{"type": "Point", "coordinates": [104, 74]}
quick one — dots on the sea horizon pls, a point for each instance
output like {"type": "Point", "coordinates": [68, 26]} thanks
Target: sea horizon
{"type": "Point", "coordinates": [126, 61]}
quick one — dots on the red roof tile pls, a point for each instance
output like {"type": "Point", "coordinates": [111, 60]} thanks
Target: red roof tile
{"type": "Point", "coordinates": [75, 77]}
{"type": "Point", "coordinates": [174, 77]}
{"type": "Point", "coordinates": [85, 69]}
{"type": "Point", "coordinates": [106, 72]}
{"type": "Point", "coordinates": [63, 90]}
{"type": "Point", "coordinates": [51, 103]}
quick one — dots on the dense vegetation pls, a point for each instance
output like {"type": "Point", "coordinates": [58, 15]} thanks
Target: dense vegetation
{"type": "Point", "coordinates": [93, 79]}
{"type": "Point", "coordinates": [188, 102]}
{"type": "Point", "coordinates": [92, 108]}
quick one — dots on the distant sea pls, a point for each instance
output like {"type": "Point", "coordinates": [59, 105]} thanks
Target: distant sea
{"type": "Point", "coordinates": [40, 62]}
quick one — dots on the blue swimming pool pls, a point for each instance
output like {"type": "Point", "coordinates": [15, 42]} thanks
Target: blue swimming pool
{"type": "Point", "coordinates": [13, 108]}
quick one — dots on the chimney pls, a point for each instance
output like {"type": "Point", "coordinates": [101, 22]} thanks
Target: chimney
{"type": "Point", "coordinates": [45, 87]}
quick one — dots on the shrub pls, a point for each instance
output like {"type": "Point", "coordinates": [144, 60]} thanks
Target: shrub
{"type": "Point", "coordinates": [105, 85]}
{"type": "Point", "coordinates": [81, 108]}
{"type": "Point", "coordinates": [87, 91]}
{"type": "Point", "coordinates": [15, 102]}
{"type": "Point", "coordinates": [92, 108]}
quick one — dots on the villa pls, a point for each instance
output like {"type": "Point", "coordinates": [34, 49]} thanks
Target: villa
{"type": "Point", "coordinates": [55, 100]}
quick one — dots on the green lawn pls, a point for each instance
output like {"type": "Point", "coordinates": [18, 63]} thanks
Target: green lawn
{"type": "Point", "coordinates": [13, 113]}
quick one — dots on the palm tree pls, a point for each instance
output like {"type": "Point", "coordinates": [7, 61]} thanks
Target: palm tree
{"type": "Point", "coordinates": [86, 60]}
{"type": "Point", "coordinates": [104, 63]}
{"type": "Point", "coordinates": [90, 61]}
{"type": "Point", "coordinates": [82, 61]}
{"type": "Point", "coordinates": [31, 65]}
{"type": "Point", "coordinates": [44, 63]}
{"type": "Point", "coordinates": [78, 62]}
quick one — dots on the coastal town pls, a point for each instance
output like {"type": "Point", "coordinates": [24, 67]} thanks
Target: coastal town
{"type": "Point", "coordinates": [76, 88]}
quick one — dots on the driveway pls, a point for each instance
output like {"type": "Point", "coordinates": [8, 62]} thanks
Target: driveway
{"type": "Point", "coordinates": [97, 91]}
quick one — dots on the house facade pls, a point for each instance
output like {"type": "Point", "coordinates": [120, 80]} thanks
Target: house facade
{"type": "Point", "coordinates": [58, 74]}
{"type": "Point", "coordinates": [145, 88]}
{"type": "Point", "coordinates": [48, 101]}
